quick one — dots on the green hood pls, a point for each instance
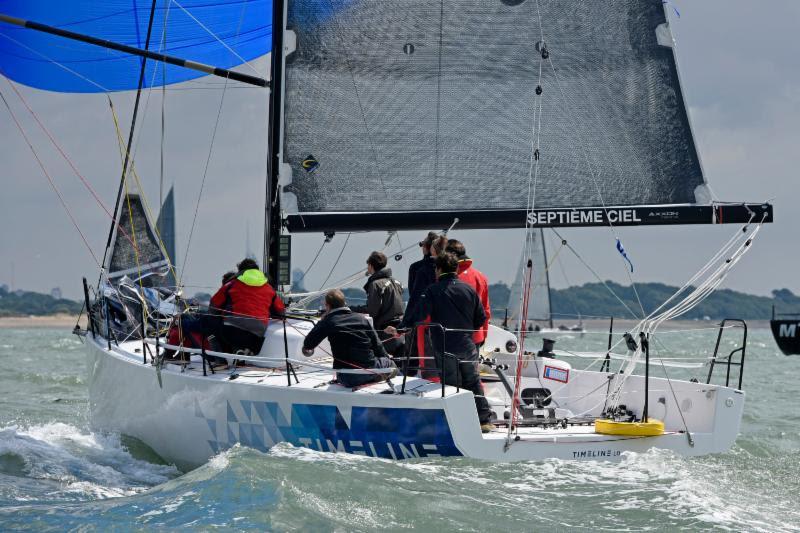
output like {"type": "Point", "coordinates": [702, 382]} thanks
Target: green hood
{"type": "Point", "coordinates": [253, 278]}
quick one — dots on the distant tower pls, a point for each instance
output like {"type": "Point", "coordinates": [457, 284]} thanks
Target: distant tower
{"type": "Point", "coordinates": [248, 251]}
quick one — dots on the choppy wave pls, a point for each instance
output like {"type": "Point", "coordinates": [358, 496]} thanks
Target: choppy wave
{"type": "Point", "coordinates": [56, 475]}
{"type": "Point", "coordinates": [72, 464]}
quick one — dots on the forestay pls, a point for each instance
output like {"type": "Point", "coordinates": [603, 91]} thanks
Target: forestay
{"type": "Point", "coordinates": [411, 105]}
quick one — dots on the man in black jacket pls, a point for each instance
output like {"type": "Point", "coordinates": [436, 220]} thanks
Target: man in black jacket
{"type": "Point", "coordinates": [384, 300]}
{"type": "Point", "coordinates": [421, 275]}
{"type": "Point", "coordinates": [455, 305]}
{"type": "Point", "coordinates": [353, 341]}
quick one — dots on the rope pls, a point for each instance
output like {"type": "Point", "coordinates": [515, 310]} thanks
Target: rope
{"type": "Point", "coordinates": [591, 170]}
{"type": "Point", "coordinates": [142, 197]}
{"type": "Point", "coordinates": [313, 261]}
{"type": "Point", "coordinates": [703, 290]}
{"type": "Point", "coordinates": [596, 275]}
{"type": "Point", "coordinates": [203, 181]}
{"type": "Point", "coordinates": [49, 178]}
{"type": "Point", "coordinates": [64, 155]}
{"type": "Point", "coordinates": [341, 252]}
{"type": "Point", "coordinates": [132, 129]}
{"type": "Point", "coordinates": [212, 34]}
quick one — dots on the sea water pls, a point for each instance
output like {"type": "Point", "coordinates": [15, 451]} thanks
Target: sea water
{"type": "Point", "coordinates": [56, 473]}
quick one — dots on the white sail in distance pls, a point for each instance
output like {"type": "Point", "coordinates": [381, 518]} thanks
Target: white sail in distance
{"type": "Point", "coordinates": [539, 301]}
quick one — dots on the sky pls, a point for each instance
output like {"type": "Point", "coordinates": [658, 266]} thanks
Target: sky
{"type": "Point", "coordinates": [738, 64]}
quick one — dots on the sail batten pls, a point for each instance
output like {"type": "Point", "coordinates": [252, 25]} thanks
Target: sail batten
{"type": "Point", "coordinates": [427, 106]}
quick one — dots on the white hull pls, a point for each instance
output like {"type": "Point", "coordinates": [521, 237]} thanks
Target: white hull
{"type": "Point", "coordinates": [191, 417]}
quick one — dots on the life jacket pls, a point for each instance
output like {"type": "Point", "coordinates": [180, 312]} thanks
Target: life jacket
{"type": "Point", "coordinates": [248, 301]}
{"type": "Point", "coordinates": [477, 280]}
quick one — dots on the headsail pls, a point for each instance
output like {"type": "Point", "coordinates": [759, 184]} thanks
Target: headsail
{"type": "Point", "coordinates": [415, 106]}
{"type": "Point", "coordinates": [136, 249]}
{"type": "Point", "coordinates": [539, 301]}
{"type": "Point", "coordinates": [223, 33]}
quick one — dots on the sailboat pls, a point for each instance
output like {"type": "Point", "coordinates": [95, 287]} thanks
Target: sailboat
{"type": "Point", "coordinates": [539, 319]}
{"type": "Point", "coordinates": [409, 115]}
{"type": "Point", "coordinates": [786, 331]}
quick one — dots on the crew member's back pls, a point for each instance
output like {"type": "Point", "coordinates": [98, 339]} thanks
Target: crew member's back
{"type": "Point", "coordinates": [245, 305]}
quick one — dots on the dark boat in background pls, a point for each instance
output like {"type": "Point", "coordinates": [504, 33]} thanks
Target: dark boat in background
{"type": "Point", "coordinates": [786, 330]}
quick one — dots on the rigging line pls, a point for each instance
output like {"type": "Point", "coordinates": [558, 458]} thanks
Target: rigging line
{"type": "Point", "coordinates": [594, 178]}
{"type": "Point", "coordinates": [678, 405]}
{"type": "Point", "coordinates": [142, 197]}
{"type": "Point", "coordinates": [133, 127]}
{"type": "Point", "coordinates": [203, 183]}
{"type": "Point", "coordinates": [596, 275]}
{"type": "Point", "coordinates": [358, 98]}
{"type": "Point", "coordinates": [135, 248]}
{"type": "Point", "coordinates": [63, 153]}
{"type": "Point", "coordinates": [211, 33]}
{"type": "Point", "coordinates": [49, 178]}
{"type": "Point", "coordinates": [163, 111]}
{"type": "Point", "coordinates": [586, 158]}
{"type": "Point", "coordinates": [337, 261]}
{"type": "Point", "coordinates": [324, 242]}
{"type": "Point", "coordinates": [210, 151]}
{"type": "Point", "coordinates": [566, 279]}
{"type": "Point", "coordinates": [690, 301]}
{"type": "Point", "coordinates": [50, 60]}
{"type": "Point", "coordinates": [344, 282]}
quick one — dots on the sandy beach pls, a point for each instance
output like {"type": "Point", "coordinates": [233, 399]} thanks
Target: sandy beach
{"type": "Point", "coordinates": [31, 321]}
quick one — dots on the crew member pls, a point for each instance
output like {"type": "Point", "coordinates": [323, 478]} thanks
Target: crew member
{"type": "Point", "coordinates": [244, 306]}
{"type": "Point", "coordinates": [455, 306]}
{"type": "Point", "coordinates": [421, 275]}
{"type": "Point", "coordinates": [353, 341]}
{"type": "Point", "coordinates": [384, 300]}
{"type": "Point", "coordinates": [475, 279]}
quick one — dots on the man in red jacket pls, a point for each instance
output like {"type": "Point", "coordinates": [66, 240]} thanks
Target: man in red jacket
{"type": "Point", "coordinates": [475, 279]}
{"type": "Point", "coordinates": [244, 305]}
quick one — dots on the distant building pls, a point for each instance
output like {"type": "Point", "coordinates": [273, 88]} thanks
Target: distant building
{"type": "Point", "coordinates": [56, 293]}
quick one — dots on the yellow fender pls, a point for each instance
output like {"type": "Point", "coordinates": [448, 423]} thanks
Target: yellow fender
{"type": "Point", "coordinates": [652, 428]}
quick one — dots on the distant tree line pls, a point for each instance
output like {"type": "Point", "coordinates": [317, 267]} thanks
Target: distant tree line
{"type": "Point", "coordinates": [596, 300]}
{"type": "Point", "coordinates": [588, 300]}
{"type": "Point", "coordinates": [23, 303]}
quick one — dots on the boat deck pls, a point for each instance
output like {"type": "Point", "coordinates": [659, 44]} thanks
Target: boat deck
{"type": "Point", "coordinates": [318, 378]}
{"type": "Point", "coordinates": [309, 376]}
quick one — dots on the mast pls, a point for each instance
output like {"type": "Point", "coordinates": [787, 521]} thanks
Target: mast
{"type": "Point", "coordinates": [272, 208]}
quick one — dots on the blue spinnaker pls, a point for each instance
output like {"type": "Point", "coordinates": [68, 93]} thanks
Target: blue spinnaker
{"type": "Point", "coordinates": [222, 33]}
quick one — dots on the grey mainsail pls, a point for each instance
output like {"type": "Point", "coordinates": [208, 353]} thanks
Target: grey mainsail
{"type": "Point", "coordinates": [414, 106]}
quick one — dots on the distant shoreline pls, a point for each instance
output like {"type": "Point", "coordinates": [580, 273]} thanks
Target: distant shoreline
{"type": "Point", "coordinates": [47, 321]}
{"type": "Point", "coordinates": [594, 325]}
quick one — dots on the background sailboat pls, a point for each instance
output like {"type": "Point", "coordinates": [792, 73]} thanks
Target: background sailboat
{"type": "Point", "coordinates": [540, 315]}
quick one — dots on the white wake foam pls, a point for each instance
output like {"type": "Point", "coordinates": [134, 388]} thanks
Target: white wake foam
{"type": "Point", "coordinates": [85, 464]}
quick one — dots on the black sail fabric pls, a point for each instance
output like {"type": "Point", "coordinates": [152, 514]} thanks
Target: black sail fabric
{"type": "Point", "coordinates": [415, 105]}
{"type": "Point", "coordinates": [146, 255]}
